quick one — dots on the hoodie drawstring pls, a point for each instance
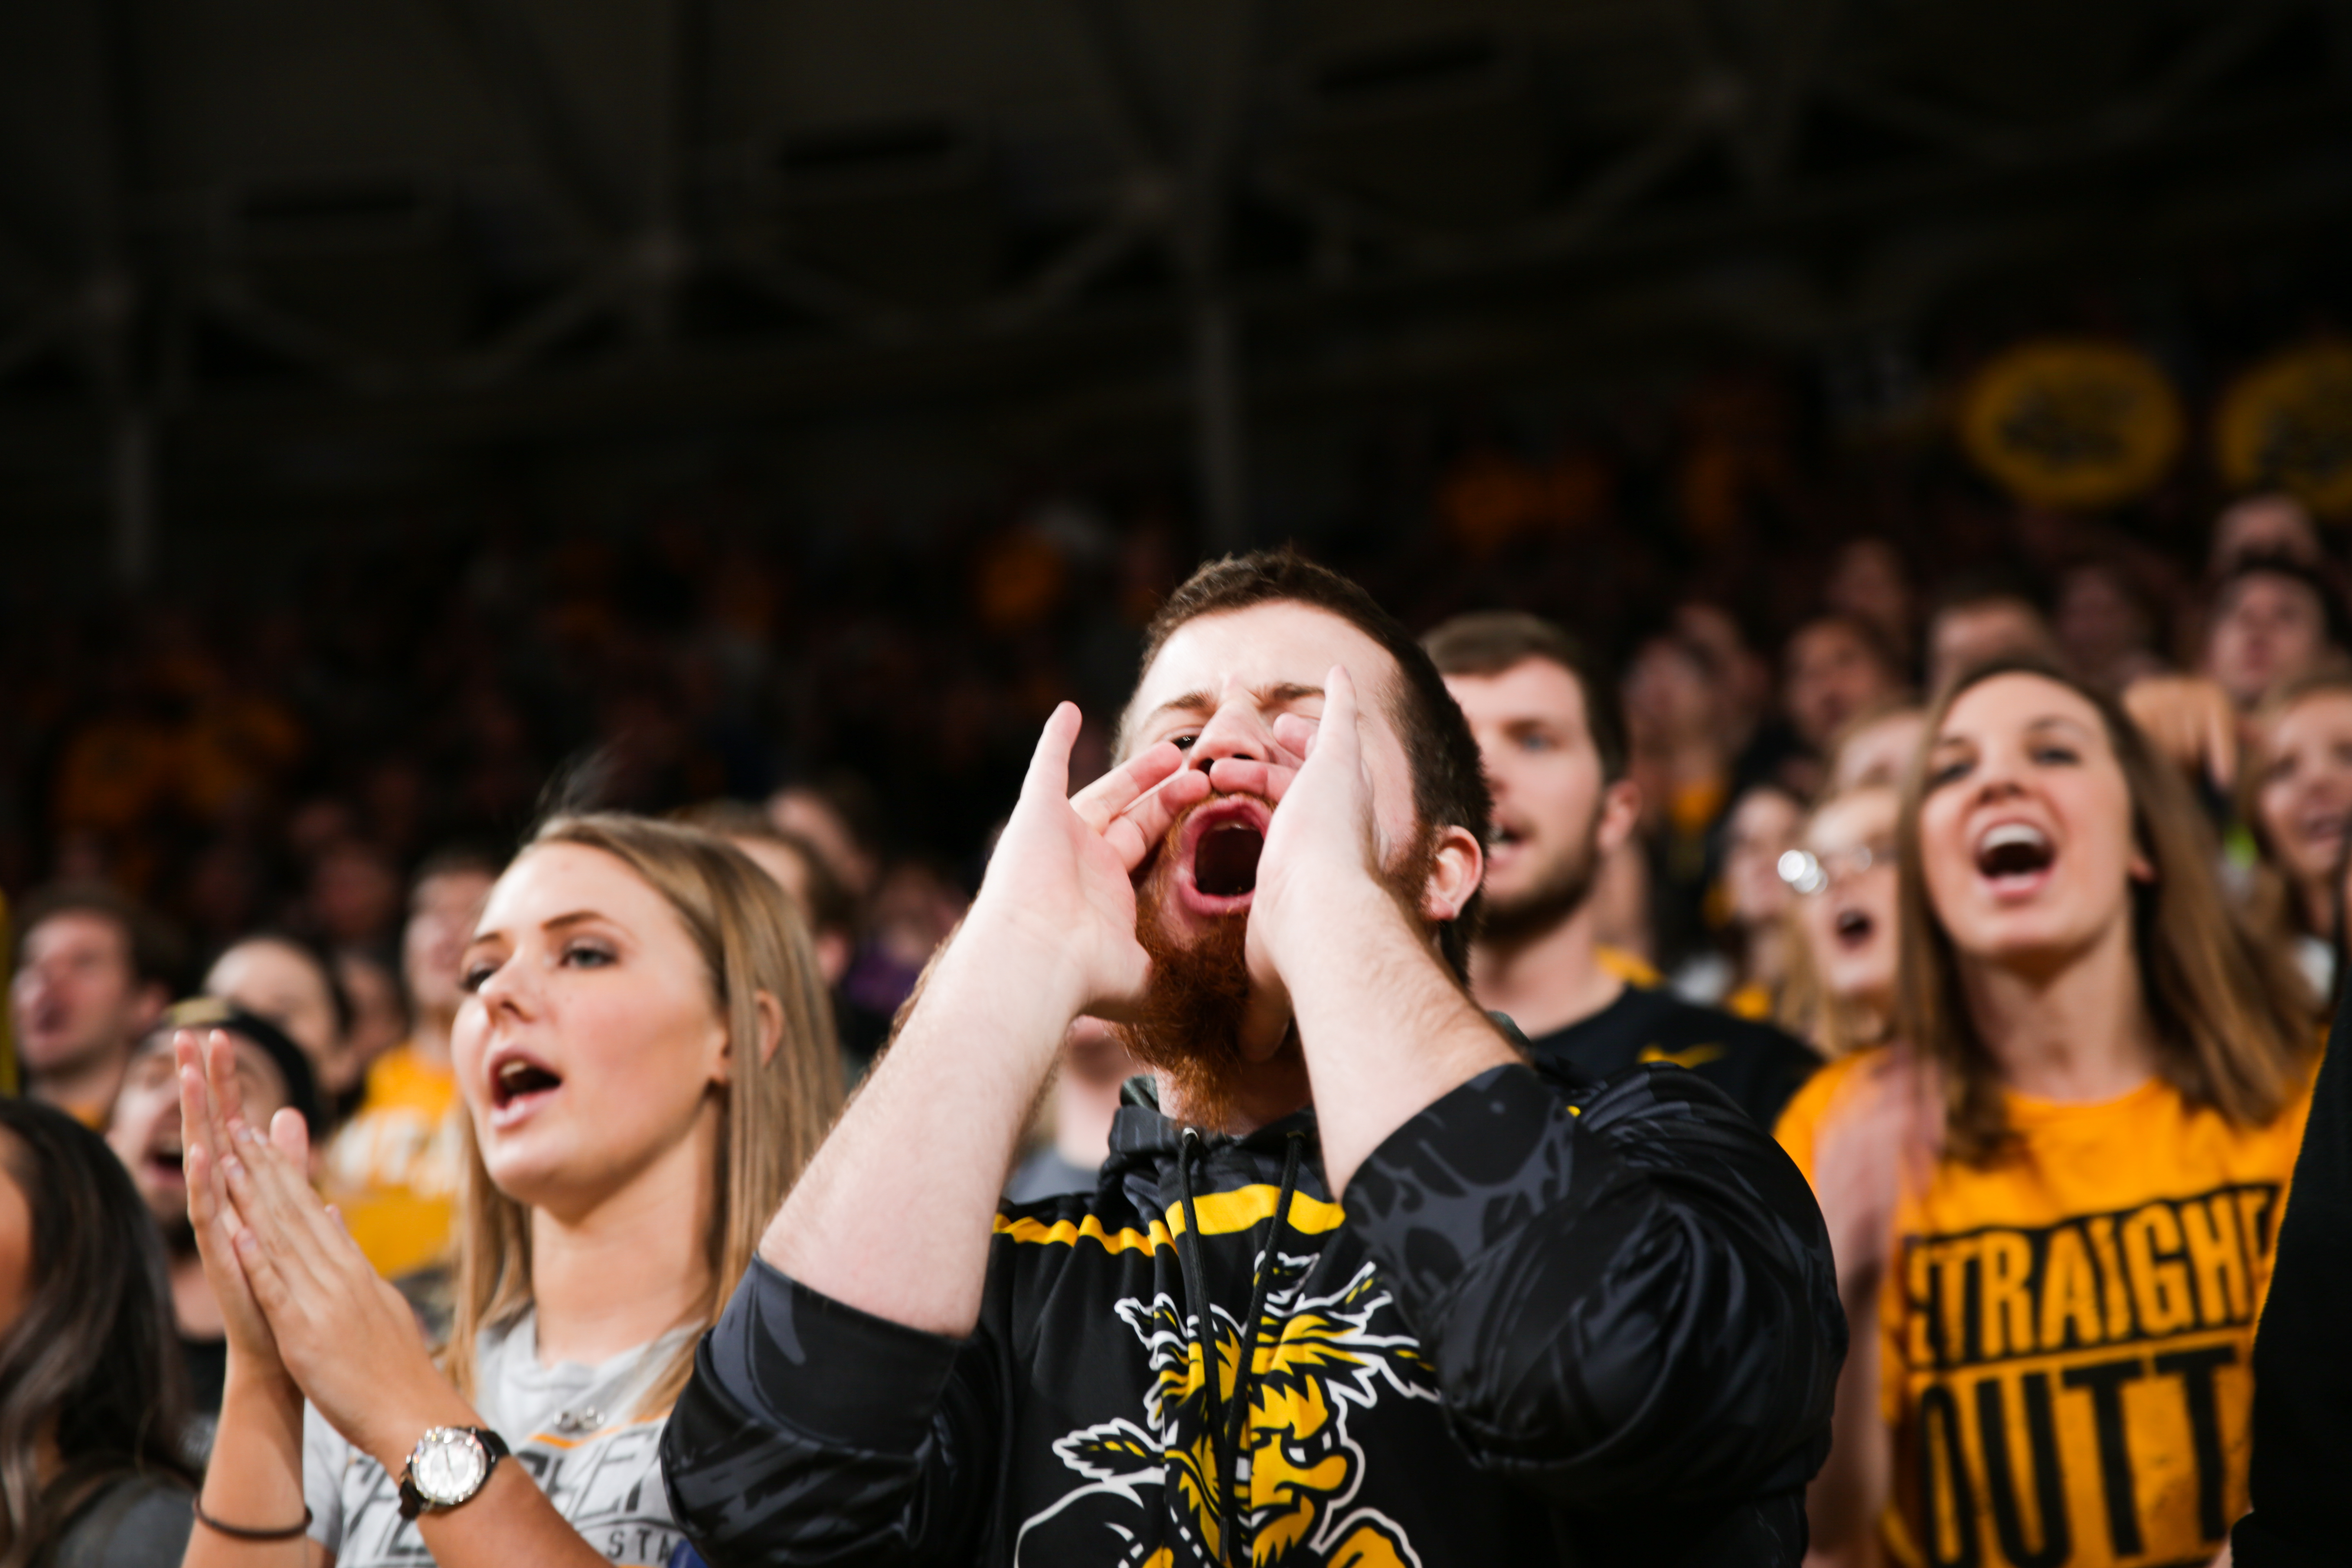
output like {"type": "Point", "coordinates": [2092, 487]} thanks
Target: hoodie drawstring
{"type": "Point", "coordinates": [1196, 1288]}
{"type": "Point", "coordinates": [1225, 1446]}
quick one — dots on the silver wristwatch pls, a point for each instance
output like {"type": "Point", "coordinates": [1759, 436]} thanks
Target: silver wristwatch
{"type": "Point", "coordinates": [449, 1466]}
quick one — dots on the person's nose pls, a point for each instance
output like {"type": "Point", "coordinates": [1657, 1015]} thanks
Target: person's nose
{"type": "Point", "coordinates": [510, 991]}
{"type": "Point", "coordinates": [1236, 731]}
{"type": "Point", "coordinates": [1999, 773]}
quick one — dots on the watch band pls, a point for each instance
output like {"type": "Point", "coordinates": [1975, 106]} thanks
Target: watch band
{"type": "Point", "coordinates": [414, 1502]}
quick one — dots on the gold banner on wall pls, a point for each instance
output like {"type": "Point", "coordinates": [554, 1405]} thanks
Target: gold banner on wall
{"type": "Point", "coordinates": [2286, 423]}
{"type": "Point", "coordinates": [2072, 422]}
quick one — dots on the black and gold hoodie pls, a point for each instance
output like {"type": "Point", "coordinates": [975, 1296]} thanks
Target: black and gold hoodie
{"type": "Point", "coordinates": [1553, 1324]}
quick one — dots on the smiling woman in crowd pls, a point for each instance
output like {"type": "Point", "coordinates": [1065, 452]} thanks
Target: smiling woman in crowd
{"type": "Point", "coordinates": [2299, 800]}
{"type": "Point", "coordinates": [647, 1060]}
{"type": "Point", "coordinates": [2055, 1201]}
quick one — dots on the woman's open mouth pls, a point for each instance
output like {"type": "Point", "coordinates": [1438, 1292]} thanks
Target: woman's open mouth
{"type": "Point", "coordinates": [1853, 928]}
{"type": "Point", "coordinates": [520, 1086]}
{"type": "Point", "coordinates": [1217, 854]}
{"type": "Point", "coordinates": [2323, 832]}
{"type": "Point", "coordinates": [2015, 857]}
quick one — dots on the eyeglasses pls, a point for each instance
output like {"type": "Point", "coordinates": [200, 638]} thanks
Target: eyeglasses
{"type": "Point", "coordinates": [1807, 873]}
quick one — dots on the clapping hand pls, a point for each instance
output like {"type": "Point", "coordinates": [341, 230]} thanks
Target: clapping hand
{"type": "Point", "coordinates": [292, 1283]}
{"type": "Point", "coordinates": [209, 1101]}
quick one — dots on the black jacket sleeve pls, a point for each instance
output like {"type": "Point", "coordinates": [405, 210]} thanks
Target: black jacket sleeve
{"type": "Point", "coordinates": [1627, 1299]}
{"type": "Point", "coordinates": [2303, 1373]}
{"type": "Point", "coordinates": [795, 1394]}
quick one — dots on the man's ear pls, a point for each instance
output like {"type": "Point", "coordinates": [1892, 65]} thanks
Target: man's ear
{"type": "Point", "coordinates": [147, 1007]}
{"type": "Point", "coordinates": [1458, 867]}
{"type": "Point", "coordinates": [1619, 815]}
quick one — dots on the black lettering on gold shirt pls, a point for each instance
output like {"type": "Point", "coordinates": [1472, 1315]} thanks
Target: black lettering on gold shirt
{"type": "Point", "coordinates": [2066, 1333]}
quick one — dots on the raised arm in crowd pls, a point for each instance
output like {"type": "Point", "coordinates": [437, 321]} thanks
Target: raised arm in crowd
{"type": "Point", "coordinates": [1555, 1321]}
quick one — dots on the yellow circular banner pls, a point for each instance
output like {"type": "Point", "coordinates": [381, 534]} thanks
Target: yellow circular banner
{"type": "Point", "coordinates": [2072, 422]}
{"type": "Point", "coordinates": [2286, 424]}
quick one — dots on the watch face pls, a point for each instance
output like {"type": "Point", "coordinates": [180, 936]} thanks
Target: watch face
{"type": "Point", "coordinates": [448, 1465]}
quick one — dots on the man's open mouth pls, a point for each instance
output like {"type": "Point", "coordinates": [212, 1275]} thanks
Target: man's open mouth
{"type": "Point", "coordinates": [1217, 854]}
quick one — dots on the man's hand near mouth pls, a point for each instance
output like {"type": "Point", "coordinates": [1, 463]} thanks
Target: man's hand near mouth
{"type": "Point", "coordinates": [1051, 935]}
{"type": "Point", "coordinates": [1386, 1029]}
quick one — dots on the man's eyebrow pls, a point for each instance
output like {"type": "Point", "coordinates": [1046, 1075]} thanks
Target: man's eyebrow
{"type": "Point", "coordinates": [1189, 702]}
{"type": "Point", "coordinates": [1205, 701]}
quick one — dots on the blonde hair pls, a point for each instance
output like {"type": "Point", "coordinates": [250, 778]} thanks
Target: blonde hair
{"type": "Point", "coordinates": [773, 1111]}
{"type": "Point", "coordinates": [2271, 897]}
{"type": "Point", "coordinates": [1831, 1025]}
{"type": "Point", "coordinates": [2235, 1026]}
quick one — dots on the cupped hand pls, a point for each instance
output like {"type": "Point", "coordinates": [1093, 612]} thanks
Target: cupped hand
{"type": "Point", "coordinates": [1059, 892]}
{"type": "Point", "coordinates": [348, 1338]}
{"type": "Point", "coordinates": [209, 1102]}
{"type": "Point", "coordinates": [1323, 844]}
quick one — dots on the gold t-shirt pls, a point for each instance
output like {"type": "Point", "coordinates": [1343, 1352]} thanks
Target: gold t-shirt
{"type": "Point", "coordinates": [392, 1167]}
{"type": "Point", "coordinates": [2065, 1336]}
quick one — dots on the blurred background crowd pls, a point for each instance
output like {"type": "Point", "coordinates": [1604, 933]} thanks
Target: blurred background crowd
{"type": "Point", "coordinates": [279, 745]}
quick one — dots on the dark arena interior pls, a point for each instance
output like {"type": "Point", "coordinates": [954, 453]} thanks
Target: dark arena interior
{"type": "Point", "coordinates": [423, 419]}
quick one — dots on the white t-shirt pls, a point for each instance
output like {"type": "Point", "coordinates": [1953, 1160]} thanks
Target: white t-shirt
{"type": "Point", "coordinates": [568, 1427]}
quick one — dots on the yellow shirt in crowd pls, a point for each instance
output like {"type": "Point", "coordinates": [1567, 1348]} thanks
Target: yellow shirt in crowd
{"type": "Point", "coordinates": [2065, 1336]}
{"type": "Point", "coordinates": [392, 1168]}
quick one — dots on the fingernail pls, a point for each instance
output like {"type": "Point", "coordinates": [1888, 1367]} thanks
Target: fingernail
{"type": "Point", "coordinates": [244, 1133]}
{"type": "Point", "coordinates": [232, 1167]}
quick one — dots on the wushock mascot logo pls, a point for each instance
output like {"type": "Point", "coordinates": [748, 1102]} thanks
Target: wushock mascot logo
{"type": "Point", "coordinates": [1316, 1359]}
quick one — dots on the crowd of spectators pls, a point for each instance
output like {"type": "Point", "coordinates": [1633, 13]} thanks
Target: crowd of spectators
{"type": "Point", "coordinates": [291, 797]}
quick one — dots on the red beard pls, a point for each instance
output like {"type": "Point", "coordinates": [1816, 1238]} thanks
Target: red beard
{"type": "Point", "coordinates": [1188, 1026]}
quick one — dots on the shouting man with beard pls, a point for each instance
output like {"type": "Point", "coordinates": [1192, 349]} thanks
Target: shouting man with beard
{"type": "Point", "coordinates": [1548, 1325]}
{"type": "Point", "coordinates": [1555, 759]}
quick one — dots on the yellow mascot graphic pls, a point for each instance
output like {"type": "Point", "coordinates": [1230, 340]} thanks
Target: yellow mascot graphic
{"type": "Point", "coordinates": [1314, 1360]}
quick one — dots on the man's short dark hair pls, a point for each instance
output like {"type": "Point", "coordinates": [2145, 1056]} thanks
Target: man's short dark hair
{"type": "Point", "coordinates": [2332, 613]}
{"type": "Point", "coordinates": [1488, 642]}
{"type": "Point", "coordinates": [158, 957]}
{"type": "Point", "coordinates": [1866, 634]}
{"type": "Point", "coordinates": [1449, 787]}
